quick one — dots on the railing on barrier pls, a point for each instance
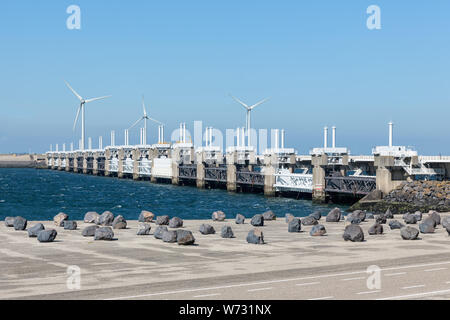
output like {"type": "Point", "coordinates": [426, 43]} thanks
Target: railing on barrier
{"type": "Point", "coordinates": [250, 178]}
{"type": "Point", "coordinates": [217, 174]}
{"type": "Point", "coordinates": [353, 185]}
{"type": "Point", "coordinates": [187, 171]}
{"type": "Point", "coordinates": [127, 165]}
{"type": "Point", "coordinates": [114, 165]}
{"type": "Point", "coordinates": [294, 182]}
{"type": "Point", "coordinates": [145, 167]}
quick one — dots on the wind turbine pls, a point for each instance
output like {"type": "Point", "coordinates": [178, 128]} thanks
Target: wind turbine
{"type": "Point", "coordinates": [144, 117]}
{"type": "Point", "coordinates": [249, 109]}
{"type": "Point", "coordinates": [81, 107]}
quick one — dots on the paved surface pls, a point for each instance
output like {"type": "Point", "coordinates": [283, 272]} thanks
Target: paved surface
{"type": "Point", "coordinates": [288, 266]}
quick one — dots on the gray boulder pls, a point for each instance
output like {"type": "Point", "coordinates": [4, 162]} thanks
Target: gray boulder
{"type": "Point", "coordinates": [447, 228]}
{"type": "Point", "coordinates": [146, 216]}
{"type": "Point", "coordinates": [334, 215]}
{"type": "Point", "coordinates": [316, 215]}
{"type": "Point", "coordinates": [353, 233]}
{"type": "Point", "coordinates": [20, 223]}
{"type": "Point", "coordinates": [361, 215]}
{"type": "Point", "coordinates": [240, 219]}
{"type": "Point", "coordinates": [409, 233]}
{"type": "Point", "coordinates": [257, 220]}
{"type": "Point", "coordinates": [418, 214]}
{"type": "Point", "coordinates": [289, 217]}
{"type": "Point", "coordinates": [106, 219]}
{"type": "Point", "coordinates": [388, 214]}
{"type": "Point", "coordinates": [375, 229]}
{"type": "Point", "coordinates": [70, 225]}
{"type": "Point", "coordinates": [353, 219]}
{"type": "Point", "coordinates": [427, 226]}
{"type": "Point", "coordinates": [218, 216]}
{"type": "Point", "coordinates": [169, 236]}
{"type": "Point", "coordinates": [185, 237]}
{"type": "Point", "coordinates": [269, 215]}
{"type": "Point", "coordinates": [9, 221]}
{"type": "Point", "coordinates": [162, 220]}
{"type": "Point", "coordinates": [143, 229]}
{"type": "Point", "coordinates": [104, 233]}
{"type": "Point", "coordinates": [60, 218]}
{"type": "Point", "coordinates": [91, 217]}
{"type": "Point", "coordinates": [89, 231]}
{"type": "Point", "coordinates": [119, 222]}
{"type": "Point", "coordinates": [445, 222]}
{"type": "Point", "coordinates": [159, 231]}
{"type": "Point", "coordinates": [207, 229]}
{"type": "Point", "coordinates": [410, 218]}
{"type": "Point", "coordinates": [309, 221]}
{"type": "Point", "coordinates": [175, 222]}
{"type": "Point", "coordinates": [227, 232]}
{"type": "Point", "coordinates": [34, 230]}
{"type": "Point", "coordinates": [317, 230]}
{"type": "Point", "coordinates": [394, 224]}
{"type": "Point", "coordinates": [47, 235]}
{"type": "Point", "coordinates": [255, 236]}
{"type": "Point", "coordinates": [295, 225]}
{"type": "Point", "coordinates": [435, 216]}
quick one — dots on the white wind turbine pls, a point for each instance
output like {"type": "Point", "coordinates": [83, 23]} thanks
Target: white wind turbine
{"type": "Point", "coordinates": [249, 109]}
{"type": "Point", "coordinates": [81, 107]}
{"type": "Point", "coordinates": [144, 117]}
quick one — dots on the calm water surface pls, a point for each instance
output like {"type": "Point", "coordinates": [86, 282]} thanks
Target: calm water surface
{"type": "Point", "coordinates": [40, 194]}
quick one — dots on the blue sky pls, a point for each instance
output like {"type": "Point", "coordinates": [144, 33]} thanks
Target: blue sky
{"type": "Point", "coordinates": [316, 60]}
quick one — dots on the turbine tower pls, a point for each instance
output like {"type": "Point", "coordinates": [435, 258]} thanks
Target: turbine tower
{"type": "Point", "coordinates": [249, 109]}
{"type": "Point", "coordinates": [144, 117]}
{"type": "Point", "coordinates": [81, 107]}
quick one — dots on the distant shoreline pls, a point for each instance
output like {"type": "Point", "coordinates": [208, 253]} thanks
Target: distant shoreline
{"type": "Point", "coordinates": [21, 161]}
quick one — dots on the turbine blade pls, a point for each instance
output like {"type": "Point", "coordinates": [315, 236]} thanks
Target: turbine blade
{"type": "Point", "coordinates": [76, 118]}
{"type": "Point", "coordinates": [239, 101]}
{"type": "Point", "coordinates": [143, 107]}
{"type": "Point", "coordinates": [73, 91]}
{"type": "Point", "coordinates": [93, 99]}
{"type": "Point", "coordinates": [154, 120]}
{"type": "Point", "coordinates": [135, 123]}
{"type": "Point", "coordinates": [257, 104]}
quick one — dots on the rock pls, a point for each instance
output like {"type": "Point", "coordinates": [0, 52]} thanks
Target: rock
{"type": "Point", "coordinates": [91, 217]}
{"type": "Point", "coordinates": [269, 215]}
{"type": "Point", "coordinates": [104, 233]}
{"type": "Point", "coordinates": [361, 215]}
{"type": "Point", "coordinates": [20, 223]}
{"type": "Point", "coordinates": [435, 216]}
{"type": "Point", "coordinates": [218, 216]}
{"type": "Point", "coordinates": [418, 215]}
{"type": "Point", "coordinates": [89, 231]}
{"type": "Point", "coordinates": [119, 222]}
{"type": "Point", "coordinates": [410, 218]}
{"type": "Point", "coordinates": [353, 233]}
{"type": "Point", "coordinates": [185, 237]}
{"type": "Point", "coordinates": [60, 218]}
{"type": "Point", "coordinates": [334, 215]}
{"type": "Point", "coordinates": [143, 229]}
{"type": "Point", "coordinates": [373, 195]}
{"type": "Point", "coordinates": [289, 217]}
{"type": "Point", "coordinates": [34, 230]}
{"type": "Point", "coordinates": [369, 216]}
{"type": "Point", "coordinates": [146, 216]}
{"type": "Point", "coordinates": [175, 222]}
{"type": "Point", "coordinates": [380, 219]}
{"type": "Point", "coordinates": [388, 214]}
{"type": "Point", "coordinates": [159, 231]}
{"type": "Point", "coordinates": [394, 224]}
{"type": "Point", "coordinates": [257, 220]}
{"type": "Point", "coordinates": [295, 225]}
{"type": "Point", "coordinates": [106, 219]}
{"type": "Point", "coordinates": [445, 222]}
{"type": "Point", "coordinates": [240, 219]}
{"type": "Point", "coordinates": [207, 229]}
{"type": "Point", "coordinates": [162, 220]}
{"type": "Point", "coordinates": [316, 215]}
{"type": "Point", "coordinates": [70, 225]}
{"type": "Point", "coordinates": [47, 235]}
{"type": "Point", "coordinates": [227, 232]}
{"type": "Point", "coordinates": [169, 236]}
{"type": "Point", "coordinates": [375, 229]}
{"type": "Point", "coordinates": [427, 226]}
{"type": "Point", "coordinates": [317, 230]}
{"type": "Point", "coordinates": [409, 233]}
{"type": "Point", "coordinates": [255, 236]}
{"type": "Point", "coordinates": [353, 219]}
{"type": "Point", "coordinates": [9, 221]}
{"type": "Point", "coordinates": [309, 221]}
{"type": "Point", "coordinates": [448, 229]}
